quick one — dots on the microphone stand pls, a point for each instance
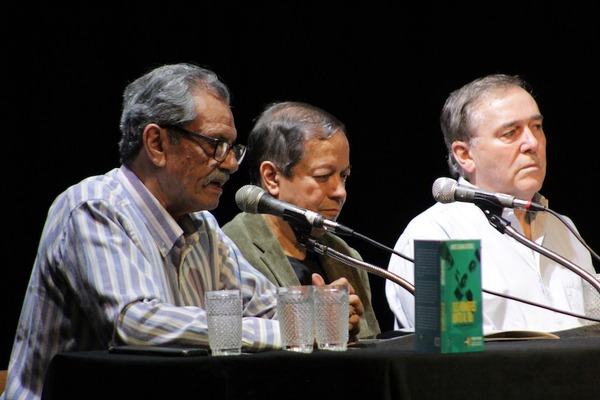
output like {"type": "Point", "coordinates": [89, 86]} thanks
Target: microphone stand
{"type": "Point", "coordinates": [503, 226]}
{"type": "Point", "coordinates": [312, 245]}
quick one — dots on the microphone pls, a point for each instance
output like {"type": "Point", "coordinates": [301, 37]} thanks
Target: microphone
{"type": "Point", "coordinates": [255, 200]}
{"type": "Point", "coordinates": [447, 190]}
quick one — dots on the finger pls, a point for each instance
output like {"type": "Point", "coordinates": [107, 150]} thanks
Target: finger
{"type": "Point", "coordinates": [317, 280]}
{"type": "Point", "coordinates": [353, 325]}
{"type": "Point", "coordinates": [355, 302]}
{"type": "Point", "coordinates": [343, 281]}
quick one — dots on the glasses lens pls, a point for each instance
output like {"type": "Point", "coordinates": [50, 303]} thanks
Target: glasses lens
{"type": "Point", "coordinates": [221, 151]}
{"type": "Point", "coordinates": [240, 151]}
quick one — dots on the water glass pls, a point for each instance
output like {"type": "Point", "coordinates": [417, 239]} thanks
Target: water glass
{"type": "Point", "coordinates": [224, 315]}
{"type": "Point", "coordinates": [331, 317]}
{"type": "Point", "coordinates": [591, 298]}
{"type": "Point", "coordinates": [295, 310]}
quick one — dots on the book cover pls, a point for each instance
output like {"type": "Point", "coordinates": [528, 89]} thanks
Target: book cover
{"type": "Point", "coordinates": [448, 317]}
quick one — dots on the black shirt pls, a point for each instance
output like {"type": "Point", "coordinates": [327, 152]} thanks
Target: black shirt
{"type": "Point", "coordinates": [305, 268]}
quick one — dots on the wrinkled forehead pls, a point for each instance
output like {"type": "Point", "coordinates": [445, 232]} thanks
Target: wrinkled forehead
{"type": "Point", "coordinates": [503, 105]}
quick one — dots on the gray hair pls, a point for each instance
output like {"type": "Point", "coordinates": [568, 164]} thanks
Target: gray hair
{"type": "Point", "coordinates": [164, 96]}
{"type": "Point", "coordinates": [280, 132]}
{"type": "Point", "coordinates": [456, 118]}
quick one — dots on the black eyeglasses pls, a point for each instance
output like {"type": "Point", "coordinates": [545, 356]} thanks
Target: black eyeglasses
{"type": "Point", "coordinates": [220, 147]}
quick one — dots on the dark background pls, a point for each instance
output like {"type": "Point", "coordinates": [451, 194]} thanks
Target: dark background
{"type": "Point", "coordinates": [383, 68]}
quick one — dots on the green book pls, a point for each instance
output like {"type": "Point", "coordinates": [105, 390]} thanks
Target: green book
{"type": "Point", "coordinates": [448, 296]}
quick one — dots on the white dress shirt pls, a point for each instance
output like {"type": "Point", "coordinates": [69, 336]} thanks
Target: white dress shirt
{"type": "Point", "coordinates": [508, 267]}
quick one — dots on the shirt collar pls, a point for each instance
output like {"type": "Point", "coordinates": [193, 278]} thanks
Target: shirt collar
{"type": "Point", "coordinates": [161, 225]}
{"type": "Point", "coordinates": [509, 214]}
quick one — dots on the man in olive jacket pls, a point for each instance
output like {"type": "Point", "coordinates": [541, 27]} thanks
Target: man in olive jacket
{"type": "Point", "coordinates": [300, 154]}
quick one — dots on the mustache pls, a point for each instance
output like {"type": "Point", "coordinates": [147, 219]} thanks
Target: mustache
{"type": "Point", "coordinates": [217, 176]}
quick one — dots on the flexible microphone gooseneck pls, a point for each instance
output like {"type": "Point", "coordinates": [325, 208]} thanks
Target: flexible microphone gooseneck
{"type": "Point", "coordinates": [312, 245]}
{"type": "Point", "coordinates": [503, 226]}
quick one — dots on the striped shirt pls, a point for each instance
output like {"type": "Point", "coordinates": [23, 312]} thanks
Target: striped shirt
{"type": "Point", "coordinates": [113, 267]}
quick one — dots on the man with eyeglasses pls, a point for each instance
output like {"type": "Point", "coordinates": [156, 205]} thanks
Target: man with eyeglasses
{"type": "Point", "coordinates": [126, 257]}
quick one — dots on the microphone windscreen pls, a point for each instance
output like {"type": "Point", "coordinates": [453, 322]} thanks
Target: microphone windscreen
{"type": "Point", "coordinates": [444, 189]}
{"type": "Point", "coordinates": [247, 198]}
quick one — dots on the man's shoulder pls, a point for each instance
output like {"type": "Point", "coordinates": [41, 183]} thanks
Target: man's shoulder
{"type": "Point", "coordinates": [97, 187]}
{"type": "Point", "coordinates": [235, 224]}
{"type": "Point", "coordinates": [243, 224]}
{"type": "Point", "coordinates": [446, 211]}
{"type": "Point", "coordinates": [444, 216]}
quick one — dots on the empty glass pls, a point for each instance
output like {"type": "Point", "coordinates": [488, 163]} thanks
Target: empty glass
{"type": "Point", "coordinates": [224, 314]}
{"type": "Point", "coordinates": [295, 310]}
{"type": "Point", "coordinates": [331, 317]}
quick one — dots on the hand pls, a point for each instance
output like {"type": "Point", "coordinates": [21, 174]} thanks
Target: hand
{"type": "Point", "coordinates": [356, 308]}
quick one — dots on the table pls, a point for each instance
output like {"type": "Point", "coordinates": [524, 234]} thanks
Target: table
{"type": "Point", "coordinates": [565, 368]}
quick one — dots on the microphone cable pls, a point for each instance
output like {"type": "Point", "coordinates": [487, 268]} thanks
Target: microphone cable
{"type": "Point", "coordinates": [313, 245]}
{"type": "Point", "coordinates": [574, 232]}
{"type": "Point", "coordinates": [381, 246]}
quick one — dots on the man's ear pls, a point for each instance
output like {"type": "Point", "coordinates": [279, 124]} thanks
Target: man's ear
{"type": "Point", "coordinates": [154, 140]}
{"type": "Point", "coordinates": [462, 155]}
{"type": "Point", "coordinates": [270, 177]}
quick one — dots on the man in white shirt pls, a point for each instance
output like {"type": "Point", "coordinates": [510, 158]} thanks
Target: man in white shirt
{"type": "Point", "coordinates": [494, 134]}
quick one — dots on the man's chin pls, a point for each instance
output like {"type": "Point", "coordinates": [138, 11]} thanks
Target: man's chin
{"type": "Point", "coordinates": [331, 217]}
{"type": "Point", "coordinates": [209, 205]}
{"type": "Point", "coordinates": [526, 191]}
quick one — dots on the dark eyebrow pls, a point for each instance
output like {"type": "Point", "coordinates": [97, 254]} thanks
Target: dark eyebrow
{"type": "Point", "coordinates": [537, 117]}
